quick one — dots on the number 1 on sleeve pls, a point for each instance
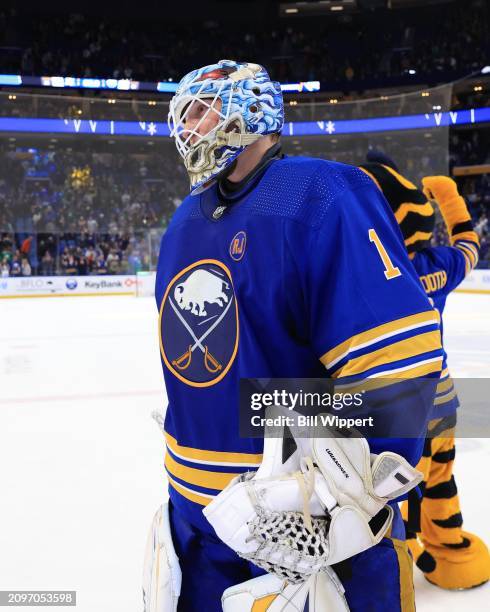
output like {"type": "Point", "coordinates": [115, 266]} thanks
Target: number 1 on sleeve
{"type": "Point", "coordinates": [390, 270]}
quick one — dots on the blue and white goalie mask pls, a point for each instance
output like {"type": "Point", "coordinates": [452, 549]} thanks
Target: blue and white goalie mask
{"type": "Point", "coordinates": [217, 111]}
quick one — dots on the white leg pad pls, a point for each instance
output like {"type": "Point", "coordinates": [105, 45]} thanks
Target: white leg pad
{"type": "Point", "coordinates": [162, 577]}
{"type": "Point", "coordinates": [274, 594]}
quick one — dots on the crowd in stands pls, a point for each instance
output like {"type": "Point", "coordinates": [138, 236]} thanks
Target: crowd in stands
{"type": "Point", "coordinates": [82, 211]}
{"type": "Point", "coordinates": [437, 42]}
{"type": "Point", "coordinates": [472, 147]}
{"type": "Point", "coordinates": [78, 212]}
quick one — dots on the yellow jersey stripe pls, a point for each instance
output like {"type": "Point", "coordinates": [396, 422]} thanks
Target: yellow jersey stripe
{"type": "Point", "coordinates": [405, 572]}
{"type": "Point", "coordinates": [376, 334]}
{"type": "Point", "coordinates": [445, 398]}
{"type": "Point", "coordinates": [467, 263]}
{"type": "Point", "coordinates": [202, 478]}
{"type": "Point", "coordinates": [471, 247]}
{"type": "Point", "coordinates": [471, 236]}
{"type": "Point", "coordinates": [413, 370]}
{"type": "Point", "coordinates": [392, 377]}
{"type": "Point", "coordinates": [463, 247]}
{"type": "Point", "coordinates": [197, 455]}
{"type": "Point", "coordinates": [198, 498]}
{"type": "Point", "coordinates": [403, 349]}
{"type": "Point", "coordinates": [444, 385]}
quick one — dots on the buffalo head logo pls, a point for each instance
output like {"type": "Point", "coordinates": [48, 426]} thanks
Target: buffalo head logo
{"type": "Point", "coordinates": [199, 288]}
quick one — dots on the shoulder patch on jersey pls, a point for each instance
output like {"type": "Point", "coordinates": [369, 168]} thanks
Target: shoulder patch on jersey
{"type": "Point", "coordinates": [198, 323]}
{"type": "Point", "coordinates": [238, 245]}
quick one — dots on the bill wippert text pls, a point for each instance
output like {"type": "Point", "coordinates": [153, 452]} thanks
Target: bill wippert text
{"type": "Point", "coordinates": [299, 420]}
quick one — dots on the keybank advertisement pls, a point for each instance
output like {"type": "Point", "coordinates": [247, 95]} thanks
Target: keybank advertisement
{"type": "Point", "coordinates": [67, 285]}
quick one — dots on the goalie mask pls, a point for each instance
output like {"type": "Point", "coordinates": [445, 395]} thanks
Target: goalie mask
{"type": "Point", "coordinates": [217, 111]}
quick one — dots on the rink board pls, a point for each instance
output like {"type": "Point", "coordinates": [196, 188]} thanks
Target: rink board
{"type": "Point", "coordinates": [67, 286]}
{"type": "Point", "coordinates": [142, 285]}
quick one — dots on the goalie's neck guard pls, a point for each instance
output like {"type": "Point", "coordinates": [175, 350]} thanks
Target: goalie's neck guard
{"type": "Point", "coordinates": [230, 191]}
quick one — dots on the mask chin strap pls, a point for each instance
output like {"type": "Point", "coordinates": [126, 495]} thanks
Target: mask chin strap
{"type": "Point", "coordinates": [235, 139]}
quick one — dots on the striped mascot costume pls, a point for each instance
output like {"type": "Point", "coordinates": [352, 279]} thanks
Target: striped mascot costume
{"type": "Point", "coordinates": [448, 556]}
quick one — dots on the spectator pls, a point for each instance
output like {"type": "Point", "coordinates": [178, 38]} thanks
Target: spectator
{"type": "Point", "coordinates": [378, 45]}
{"type": "Point", "coordinates": [4, 268]}
{"type": "Point", "coordinates": [25, 249]}
{"type": "Point", "coordinates": [26, 267]}
{"type": "Point", "coordinates": [47, 264]}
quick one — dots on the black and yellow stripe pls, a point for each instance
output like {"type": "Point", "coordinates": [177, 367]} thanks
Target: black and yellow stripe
{"type": "Point", "coordinates": [413, 212]}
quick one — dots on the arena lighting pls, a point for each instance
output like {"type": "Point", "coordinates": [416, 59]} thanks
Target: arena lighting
{"type": "Point", "coordinates": [310, 9]}
{"type": "Point", "coordinates": [302, 87]}
{"type": "Point", "coordinates": [10, 79]}
{"type": "Point", "coordinates": [166, 87]}
{"type": "Point", "coordinates": [61, 82]}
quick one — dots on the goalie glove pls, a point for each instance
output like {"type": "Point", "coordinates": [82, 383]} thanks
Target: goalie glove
{"type": "Point", "coordinates": [332, 507]}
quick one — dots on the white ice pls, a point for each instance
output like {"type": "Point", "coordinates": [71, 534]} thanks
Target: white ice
{"type": "Point", "coordinates": [82, 461]}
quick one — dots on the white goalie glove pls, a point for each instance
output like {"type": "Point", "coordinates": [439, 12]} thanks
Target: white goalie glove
{"type": "Point", "coordinates": [327, 502]}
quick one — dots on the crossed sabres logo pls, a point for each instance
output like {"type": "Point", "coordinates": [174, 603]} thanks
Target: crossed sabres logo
{"type": "Point", "coordinates": [199, 309]}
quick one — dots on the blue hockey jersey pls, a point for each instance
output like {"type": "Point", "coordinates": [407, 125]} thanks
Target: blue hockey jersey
{"type": "Point", "coordinates": [303, 276]}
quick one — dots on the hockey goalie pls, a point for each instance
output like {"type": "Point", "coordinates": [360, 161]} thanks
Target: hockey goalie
{"type": "Point", "coordinates": [278, 267]}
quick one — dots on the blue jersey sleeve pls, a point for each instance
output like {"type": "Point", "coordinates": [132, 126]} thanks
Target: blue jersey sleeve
{"type": "Point", "coordinates": [359, 267]}
{"type": "Point", "coordinates": [441, 269]}
{"type": "Point", "coordinates": [368, 314]}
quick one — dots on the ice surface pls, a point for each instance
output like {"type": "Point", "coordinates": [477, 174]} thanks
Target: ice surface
{"type": "Point", "coordinates": [82, 461]}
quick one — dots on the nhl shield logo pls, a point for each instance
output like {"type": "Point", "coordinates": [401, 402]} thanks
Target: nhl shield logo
{"type": "Point", "coordinates": [199, 324]}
